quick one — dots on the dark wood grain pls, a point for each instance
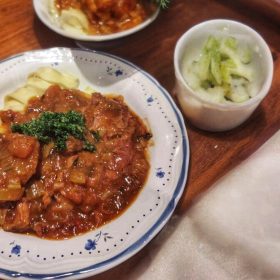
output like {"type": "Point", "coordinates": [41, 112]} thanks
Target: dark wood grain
{"type": "Point", "coordinates": [212, 154]}
{"type": "Point", "coordinates": [268, 8]}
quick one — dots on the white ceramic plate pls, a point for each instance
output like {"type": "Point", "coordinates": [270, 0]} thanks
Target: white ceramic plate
{"type": "Point", "coordinates": [29, 257]}
{"type": "Point", "coordinates": [41, 9]}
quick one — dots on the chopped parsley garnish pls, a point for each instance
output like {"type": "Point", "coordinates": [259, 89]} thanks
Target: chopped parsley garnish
{"type": "Point", "coordinates": [56, 127]}
{"type": "Point", "coordinates": [89, 147]}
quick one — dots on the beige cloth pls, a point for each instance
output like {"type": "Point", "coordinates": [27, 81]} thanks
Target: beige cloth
{"type": "Point", "coordinates": [231, 232]}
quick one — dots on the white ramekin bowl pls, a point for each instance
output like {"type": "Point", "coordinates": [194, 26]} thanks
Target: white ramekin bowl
{"type": "Point", "coordinates": [209, 115]}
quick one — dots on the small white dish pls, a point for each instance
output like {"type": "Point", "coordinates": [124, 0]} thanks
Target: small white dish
{"type": "Point", "coordinates": [29, 257]}
{"type": "Point", "coordinates": [206, 114]}
{"type": "Point", "coordinates": [42, 10]}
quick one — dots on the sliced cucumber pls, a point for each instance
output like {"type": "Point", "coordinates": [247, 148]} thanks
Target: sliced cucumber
{"type": "Point", "coordinates": [222, 71]}
{"type": "Point", "coordinates": [239, 92]}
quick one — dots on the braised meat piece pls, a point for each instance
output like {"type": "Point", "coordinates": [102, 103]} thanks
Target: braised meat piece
{"type": "Point", "coordinates": [19, 156]}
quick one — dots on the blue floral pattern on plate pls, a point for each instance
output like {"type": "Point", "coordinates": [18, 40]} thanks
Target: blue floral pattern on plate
{"type": "Point", "coordinates": [150, 100]}
{"type": "Point", "coordinates": [110, 71]}
{"type": "Point", "coordinates": [16, 250]}
{"type": "Point", "coordinates": [160, 173]}
{"type": "Point", "coordinates": [92, 243]}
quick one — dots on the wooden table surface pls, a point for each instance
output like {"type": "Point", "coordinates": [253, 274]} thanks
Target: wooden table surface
{"type": "Point", "coordinates": [212, 154]}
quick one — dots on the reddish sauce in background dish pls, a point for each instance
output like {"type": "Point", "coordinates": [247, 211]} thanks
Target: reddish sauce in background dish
{"type": "Point", "coordinates": [110, 16]}
{"type": "Point", "coordinates": [65, 193]}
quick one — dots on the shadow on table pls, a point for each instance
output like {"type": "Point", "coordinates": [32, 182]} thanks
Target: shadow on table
{"type": "Point", "coordinates": [249, 129]}
{"type": "Point", "coordinates": [49, 39]}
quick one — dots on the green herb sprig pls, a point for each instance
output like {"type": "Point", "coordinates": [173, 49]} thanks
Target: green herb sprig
{"type": "Point", "coordinates": [163, 3]}
{"type": "Point", "coordinates": [56, 127]}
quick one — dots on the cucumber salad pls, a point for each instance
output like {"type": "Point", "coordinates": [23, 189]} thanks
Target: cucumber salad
{"type": "Point", "coordinates": [222, 71]}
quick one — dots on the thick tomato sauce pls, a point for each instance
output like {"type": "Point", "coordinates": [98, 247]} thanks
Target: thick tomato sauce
{"type": "Point", "coordinates": [71, 192]}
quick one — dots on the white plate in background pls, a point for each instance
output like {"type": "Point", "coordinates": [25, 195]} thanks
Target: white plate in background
{"type": "Point", "coordinates": [42, 11]}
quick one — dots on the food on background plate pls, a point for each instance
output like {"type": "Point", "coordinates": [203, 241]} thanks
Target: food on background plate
{"type": "Point", "coordinates": [100, 17]}
{"type": "Point", "coordinates": [223, 71]}
{"type": "Point", "coordinates": [69, 161]}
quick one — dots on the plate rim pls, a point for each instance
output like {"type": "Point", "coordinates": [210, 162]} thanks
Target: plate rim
{"type": "Point", "coordinates": [94, 38]}
{"type": "Point", "coordinates": [161, 221]}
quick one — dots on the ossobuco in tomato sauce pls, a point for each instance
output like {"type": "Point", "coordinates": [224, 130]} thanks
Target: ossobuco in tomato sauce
{"type": "Point", "coordinates": [58, 194]}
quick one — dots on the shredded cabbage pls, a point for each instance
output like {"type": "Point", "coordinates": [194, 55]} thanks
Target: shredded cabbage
{"type": "Point", "coordinates": [223, 67]}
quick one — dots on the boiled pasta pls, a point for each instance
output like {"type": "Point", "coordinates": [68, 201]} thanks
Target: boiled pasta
{"type": "Point", "coordinates": [36, 84]}
{"type": "Point", "coordinates": [53, 76]}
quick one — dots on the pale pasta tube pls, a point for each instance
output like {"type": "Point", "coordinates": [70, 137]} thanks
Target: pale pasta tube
{"type": "Point", "coordinates": [52, 8]}
{"type": "Point", "coordinates": [53, 76]}
{"type": "Point", "coordinates": [14, 105]}
{"type": "Point", "coordinates": [23, 94]}
{"type": "Point", "coordinates": [73, 19]}
{"type": "Point", "coordinates": [38, 83]}
{"type": "Point", "coordinates": [88, 90]}
{"type": "Point", "coordinates": [3, 128]}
